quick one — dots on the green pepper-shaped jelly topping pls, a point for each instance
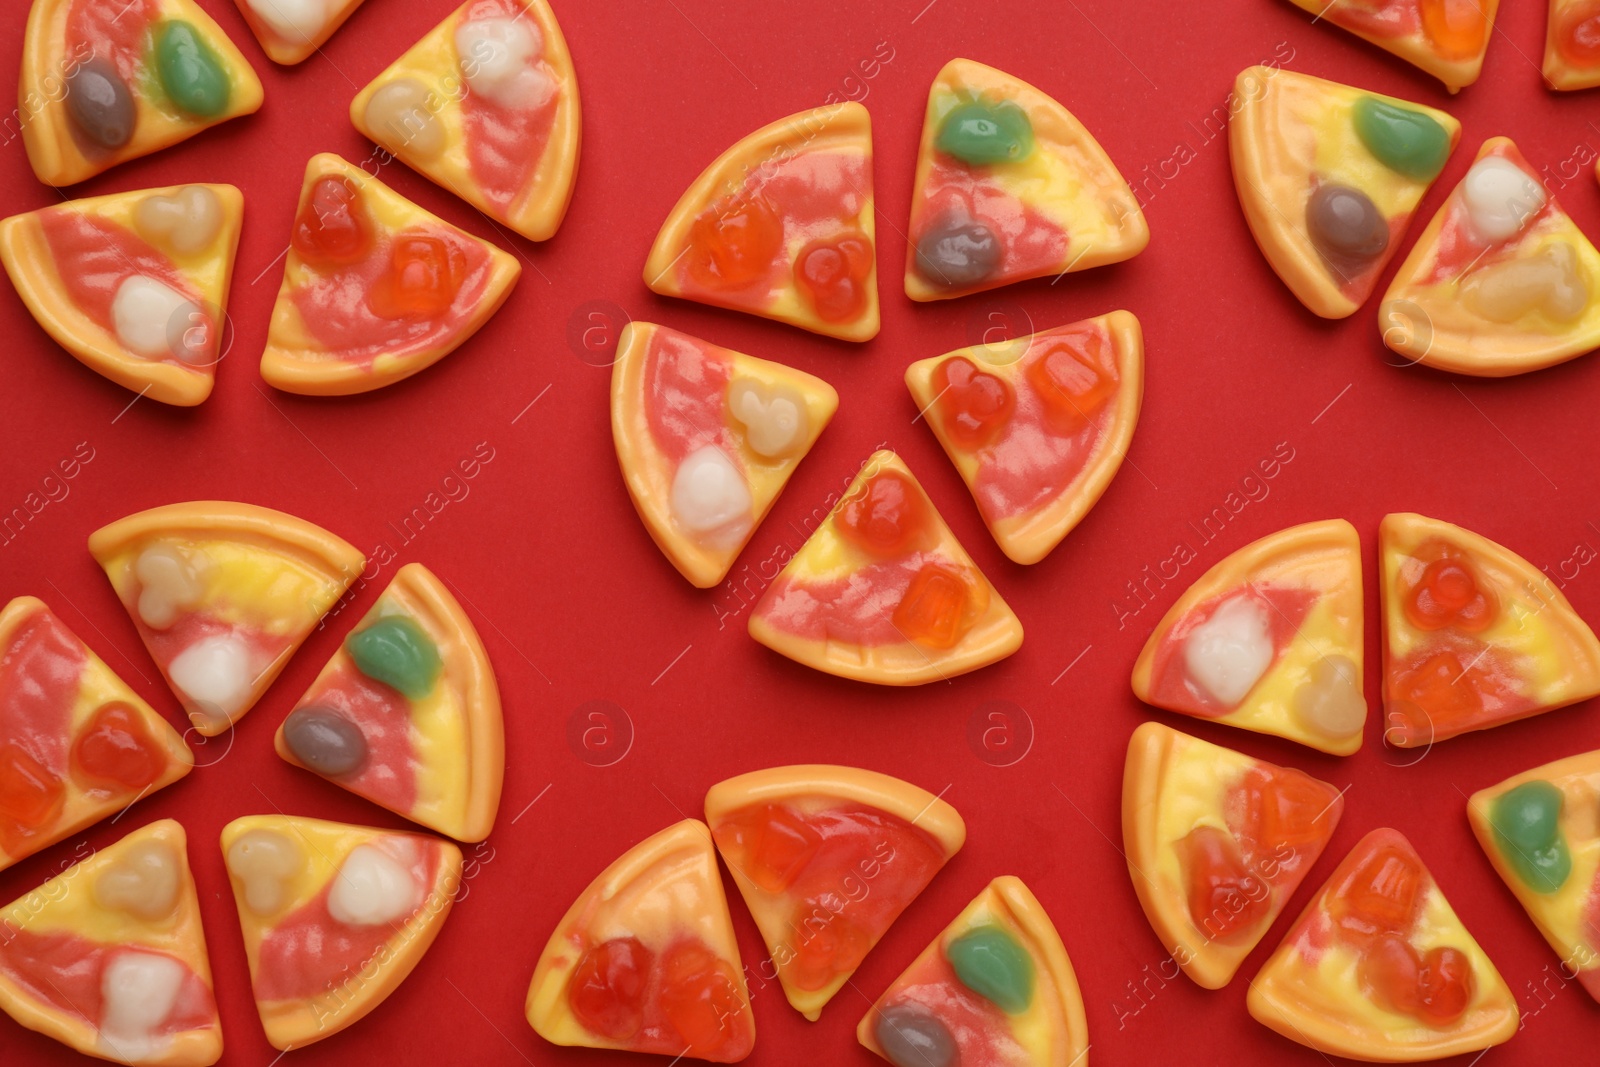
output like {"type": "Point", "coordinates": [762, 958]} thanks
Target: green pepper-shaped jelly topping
{"type": "Point", "coordinates": [991, 963]}
{"type": "Point", "coordinates": [981, 132]}
{"type": "Point", "coordinates": [394, 650]}
{"type": "Point", "coordinates": [1527, 827]}
{"type": "Point", "coordinates": [1405, 140]}
{"type": "Point", "coordinates": [194, 78]}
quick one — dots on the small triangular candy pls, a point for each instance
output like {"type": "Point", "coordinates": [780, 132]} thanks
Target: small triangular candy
{"type": "Point", "coordinates": [485, 106]}
{"type": "Point", "coordinates": [1378, 967]}
{"type": "Point", "coordinates": [996, 987]}
{"type": "Point", "coordinates": [1010, 186]}
{"type": "Point", "coordinates": [1329, 176]}
{"type": "Point", "coordinates": [106, 81]}
{"type": "Point", "coordinates": [1269, 640]}
{"type": "Point", "coordinates": [1038, 426]}
{"type": "Point", "coordinates": [134, 285]}
{"type": "Point", "coordinates": [222, 594]}
{"type": "Point", "coordinates": [1446, 38]}
{"type": "Point", "coordinates": [883, 592]}
{"type": "Point", "coordinates": [334, 916]}
{"type": "Point", "coordinates": [1572, 45]}
{"type": "Point", "coordinates": [1217, 843]}
{"type": "Point", "coordinates": [1474, 635]}
{"type": "Point", "coordinates": [1540, 831]}
{"type": "Point", "coordinates": [1501, 282]}
{"type": "Point", "coordinates": [375, 288]}
{"type": "Point", "coordinates": [109, 957]}
{"type": "Point", "coordinates": [645, 959]}
{"type": "Point", "coordinates": [781, 226]}
{"type": "Point", "coordinates": [407, 712]}
{"type": "Point", "coordinates": [292, 31]}
{"type": "Point", "coordinates": [793, 835]}
{"type": "Point", "coordinates": [707, 438]}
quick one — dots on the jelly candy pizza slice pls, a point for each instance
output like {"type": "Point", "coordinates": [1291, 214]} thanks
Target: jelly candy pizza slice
{"type": "Point", "coordinates": [134, 285]}
{"type": "Point", "coordinates": [1501, 282]}
{"type": "Point", "coordinates": [1038, 425]}
{"type": "Point", "coordinates": [407, 712]}
{"type": "Point", "coordinates": [1473, 635]}
{"type": "Point", "coordinates": [106, 81]}
{"type": "Point", "coordinates": [827, 858]}
{"type": "Point", "coordinates": [995, 988]}
{"type": "Point", "coordinates": [883, 592]}
{"type": "Point", "coordinates": [486, 106]}
{"type": "Point", "coordinates": [1217, 843]}
{"type": "Point", "coordinates": [109, 957]}
{"type": "Point", "coordinates": [645, 959]}
{"type": "Point", "coordinates": [1010, 186]}
{"type": "Point", "coordinates": [707, 438]}
{"type": "Point", "coordinates": [1446, 38]}
{"type": "Point", "coordinates": [1378, 967]}
{"type": "Point", "coordinates": [375, 288]}
{"type": "Point", "coordinates": [781, 226]}
{"type": "Point", "coordinates": [76, 744]}
{"type": "Point", "coordinates": [1572, 45]}
{"type": "Point", "coordinates": [334, 916]}
{"type": "Point", "coordinates": [1540, 830]}
{"type": "Point", "coordinates": [1329, 176]}
{"type": "Point", "coordinates": [222, 595]}
{"type": "Point", "coordinates": [1269, 640]}
{"type": "Point", "coordinates": [291, 31]}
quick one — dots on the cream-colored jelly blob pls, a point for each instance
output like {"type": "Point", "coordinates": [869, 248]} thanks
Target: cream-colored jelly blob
{"type": "Point", "coordinates": [1551, 282]}
{"type": "Point", "coordinates": [404, 114]}
{"type": "Point", "coordinates": [1228, 653]}
{"type": "Point", "coordinates": [1329, 701]}
{"type": "Point", "coordinates": [186, 223]}
{"type": "Point", "coordinates": [153, 320]}
{"type": "Point", "coordinates": [774, 417]}
{"type": "Point", "coordinates": [215, 674]}
{"type": "Point", "coordinates": [264, 861]}
{"type": "Point", "coordinates": [372, 888]}
{"type": "Point", "coordinates": [143, 882]}
{"type": "Point", "coordinates": [710, 498]}
{"type": "Point", "coordinates": [1500, 197]}
{"type": "Point", "coordinates": [299, 21]}
{"type": "Point", "coordinates": [168, 583]}
{"type": "Point", "coordinates": [498, 57]}
{"type": "Point", "coordinates": [138, 992]}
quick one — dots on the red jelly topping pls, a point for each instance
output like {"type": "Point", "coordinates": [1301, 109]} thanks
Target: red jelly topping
{"type": "Point", "coordinates": [116, 749]}
{"type": "Point", "coordinates": [1382, 895]}
{"type": "Point", "coordinates": [1435, 988]}
{"type": "Point", "coordinates": [1074, 373]}
{"type": "Point", "coordinates": [1286, 807]}
{"type": "Point", "coordinates": [607, 988]}
{"type": "Point", "coordinates": [832, 272]}
{"type": "Point", "coordinates": [939, 606]}
{"type": "Point", "coordinates": [423, 278]}
{"type": "Point", "coordinates": [973, 405]}
{"type": "Point", "coordinates": [700, 998]}
{"type": "Point", "coordinates": [332, 227]}
{"type": "Point", "coordinates": [40, 670]}
{"type": "Point", "coordinates": [733, 242]}
{"type": "Point", "coordinates": [887, 515]}
{"type": "Point", "coordinates": [774, 842]}
{"type": "Point", "coordinates": [1450, 594]}
{"type": "Point", "coordinates": [686, 1001]}
{"type": "Point", "coordinates": [1225, 897]}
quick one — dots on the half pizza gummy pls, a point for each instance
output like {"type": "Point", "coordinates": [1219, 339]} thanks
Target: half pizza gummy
{"type": "Point", "coordinates": [134, 285]}
{"type": "Point", "coordinates": [883, 592]}
{"type": "Point", "coordinates": [1038, 425]}
{"type": "Point", "coordinates": [827, 858]}
{"type": "Point", "coordinates": [1446, 38]}
{"type": "Point", "coordinates": [1473, 635]}
{"type": "Point", "coordinates": [1010, 186]}
{"type": "Point", "coordinates": [292, 31]}
{"type": "Point", "coordinates": [781, 226]}
{"type": "Point", "coordinates": [1269, 640]}
{"type": "Point", "coordinates": [1328, 176]}
{"type": "Point", "coordinates": [106, 81]}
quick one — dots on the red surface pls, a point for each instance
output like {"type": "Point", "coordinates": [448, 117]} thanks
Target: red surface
{"type": "Point", "coordinates": [577, 605]}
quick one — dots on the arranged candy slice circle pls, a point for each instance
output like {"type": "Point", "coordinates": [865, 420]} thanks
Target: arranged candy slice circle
{"type": "Point", "coordinates": [1572, 45]}
{"type": "Point", "coordinates": [1328, 176]}
{"type": "Point", "coordinates": [1269, 640]}
{"type": "Point", "coordinates": [109, 957]}
{"type": "Point", "coordinates": [1474, 636]}
{"type": "Point", "coordinates": [1501, 282]}
{"type": "Point", "coordinates": [645, 959]}
{"type": "Point", "coordinates": [781, 226]}
{"type": "Point", "coordinates": [407, 713]}
{"type": "Point", "coordinates": [106, 81]}
{"type": "Point", "coordinates": [222, 594]}
{"type": "Point", "coordinates": [707, 438]}
{"type": "Point", "coordinates": [1217, 843]}
{"type": "Point", "coordinates": [1038, 425]}
{"type": "Point", "coordinates": [1378, 967]}
{"type": "Point", "coordinates": [375, 288]}
{"type": "Point", "coordinates": [827, 858]}
{"type": "Point", "coordinates": [883, 592]}
{"type": "Point", "coordinates": [1446, 38]}
{"type": "Point", "coordinates": [334, 916]}
{"type": "Point", "coordinates": [996, 987]}
{"type": "Point", "coordinates": [291, 31]}
{"type": "Point", "coordinates": [76, 744]}
{"type": "Point", "coordinates": [1540, 831]}
{"type": "Point", "coordinates": [1010, 186]}
{"type": "Point", "coordinates": [134, 285]}
{"type": "Point", "coordinates": [486, 106]}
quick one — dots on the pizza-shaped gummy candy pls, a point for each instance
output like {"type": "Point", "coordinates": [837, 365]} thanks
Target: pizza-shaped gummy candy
{"type": "Point", "coordinates": [1446, 38]}
{"type": "Point", "coordinates": [292, 31]}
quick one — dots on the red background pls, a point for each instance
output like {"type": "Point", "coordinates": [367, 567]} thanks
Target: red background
{"type": "Point", "coordinates": [576, 604]}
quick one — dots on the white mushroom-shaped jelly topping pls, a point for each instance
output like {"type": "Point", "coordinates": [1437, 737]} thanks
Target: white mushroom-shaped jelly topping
{"type": "Point", "coordinates": [1228, 653]}
{"type": "Point", "coordinates": [167, 584]}
{"type": "Point", "coordinates": [186, 223]}
{"type": "Point", "coordinates": [774, 418]}
{"type": "Point", "coordinates": [1500, 197]}
{"type": "Point", "coordinates": [371, 888]}
{"type": "Point", "coordinates": [143, 882]}
{"type": "Point", "coordinates": [138, 991]}
{"type": "Point", "coordinates": [497, 57]}
{"type": "Point", "coordinates": [214, 675]}
{"type": "Point", "coordinates": [264, 862]}
{"type": "Point", "coordinates": [1329, 701]}
{"type": "Point", "coordinates": [154, 320]}
{"type": "Point", "coordinates": [296, 21]}
{"type": "Point", "coordinates": [403, 114]}
{"type": "Point", "coordinates": [710, 497]}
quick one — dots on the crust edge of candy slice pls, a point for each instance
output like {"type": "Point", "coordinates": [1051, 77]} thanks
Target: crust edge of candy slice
{"type": "Point", "coordinates": [281, 47]}
{"type": "Point", "coordinates": [1456, 73]}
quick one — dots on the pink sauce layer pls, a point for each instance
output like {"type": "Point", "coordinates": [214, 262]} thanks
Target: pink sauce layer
{"type": "Point", "coordinates": [165, 645]}
{"type": "Point", "coordinates": [389, 776]}
{"type": "Point", "coordinates": [857, 609]}
{"type": "Point", "coordinates": [505, 144]}
{"type": "Point", "coordinates": [981, 1031]}
{"type": "Point", "coordinates": [39, 676]}
{"type": "Point", "coordinates": [685, 391]}
{"type": "Point", "coordinates": [113, 30]}
{"type": "Point", "coordinates": [1170, 686]}
{"type": "Point", "coordinates": [1032, 245]}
